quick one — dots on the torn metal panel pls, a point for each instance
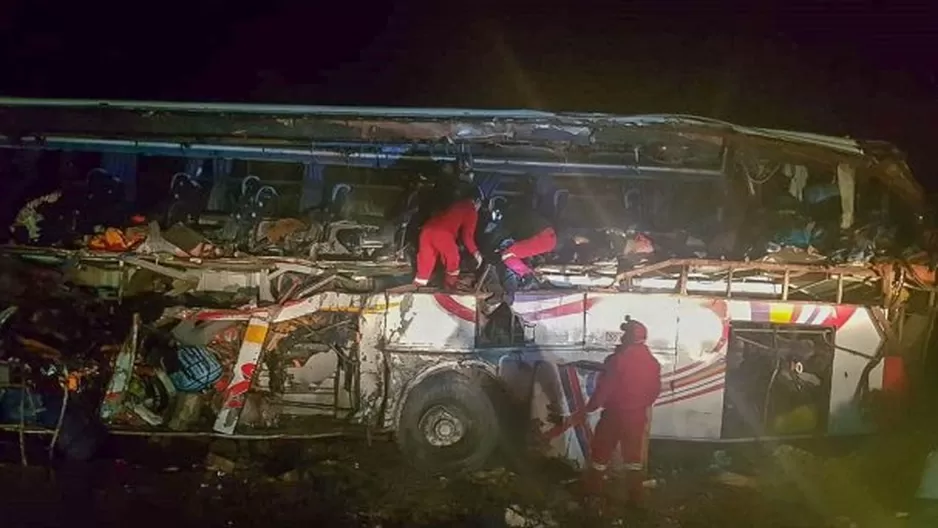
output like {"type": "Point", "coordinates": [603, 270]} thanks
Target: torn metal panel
{"type": "Point", "coordinates": [858, 284]}
{"type": "Point", "coordinates": [304, 132]}
{"type": "Point", "coordinates": [383, 326]}
{"type": "Point", "coordinates": [572, 335]}
{"type": "Point", "coordinates": [123, 123]}
{"type": "Point", "coordinates": [123, 373]}
{"type": "Point", "coordinates": [220, 281]}
{"type": "Point", "coordinates": [249, 356]}
{"type": "Point", "coordinates": [552, 318]}
{"type": "Point", "coordinates": [400, 124]}
{"type": "Point", "coordinates": [115, 271]}
{"type": "Point", "coordinates": [438, 321]}
{"type": "Point", "coordinates": [425, 119]}
{"type": "Point", "coordinates": [373, 369]}
{"type": "Point", "coordinates": [162, 270]}
{"type": "Point", "coordinates": [94, 276]}
{"type": "Point", "coordinates": [326, 302]}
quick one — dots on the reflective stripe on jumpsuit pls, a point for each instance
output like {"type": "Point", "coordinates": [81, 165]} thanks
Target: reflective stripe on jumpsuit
{"type": "Point", "coordinates": [630, 432]}
{"type": "Point", "coordinates": [438, 240]}
{"type": "Point", "coordinates": [434, 244]}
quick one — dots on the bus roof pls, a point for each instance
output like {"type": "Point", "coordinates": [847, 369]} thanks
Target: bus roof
{"type": "Point", "coordinates": [846, 145]}
{"type": "Point", "coordinates": [533, 137]}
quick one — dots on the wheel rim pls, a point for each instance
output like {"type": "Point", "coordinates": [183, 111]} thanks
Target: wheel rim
{"type": "Point", "coordinates": [441, 427]}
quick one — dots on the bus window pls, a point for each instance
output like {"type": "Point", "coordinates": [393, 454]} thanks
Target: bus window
{"type": "Point", "coordinates": [778, 380]}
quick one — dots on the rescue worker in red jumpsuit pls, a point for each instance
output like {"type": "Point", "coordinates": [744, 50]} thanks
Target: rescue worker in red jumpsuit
{"type": "Point", "coordinates": [626, 391]}
{"type": "Point", "coordinates": [438, 240]}
{"type": "Point", "coordinates": [533, 236]}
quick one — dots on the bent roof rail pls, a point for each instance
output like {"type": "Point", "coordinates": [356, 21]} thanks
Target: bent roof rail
{"type": "Point", "coordinates": [845, 145]}
{"type": "Point", "coordinates": [572, 118]}
{"type": "Point", "coordinates": [282, 109]}
{"type": "Point", "coordinates": [463, 125]}
{"type": "Point", "coordinates": [366, 158]}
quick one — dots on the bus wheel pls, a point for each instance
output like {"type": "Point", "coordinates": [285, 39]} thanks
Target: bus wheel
{"type": "Point", "coordinates": [449, 424]}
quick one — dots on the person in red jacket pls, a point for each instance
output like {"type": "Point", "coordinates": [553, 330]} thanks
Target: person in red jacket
{"type": "Point", "coordinates": [533, 236]}
{"type": "Point", "coordinates": [626, 391]}
{"type": "Point", "coordinates": [438, 240]}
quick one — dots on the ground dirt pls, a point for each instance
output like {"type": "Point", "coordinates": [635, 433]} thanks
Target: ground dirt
{"type": "Point", "coordinates": [346, 482]}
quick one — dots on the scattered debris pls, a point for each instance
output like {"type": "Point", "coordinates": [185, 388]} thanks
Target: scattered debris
{"type": "Point", "coordinates": [517, 517]}
{"type": "Point", "coordinates": [735, 479]}
{"type": "Point", "coordinates": [290, 476]}
{"type": "Point", "coordinates": [214, 462]}
{"type": "Point", "coordinates": [720, 460]}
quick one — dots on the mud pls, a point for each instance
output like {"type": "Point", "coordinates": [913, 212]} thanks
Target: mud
{"type": "Point", "coordinates": [349, 483]}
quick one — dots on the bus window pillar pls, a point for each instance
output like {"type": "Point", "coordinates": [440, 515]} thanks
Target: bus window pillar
{"type": "Point", "coordinates": [123, 166]}
{"type": "Point", "coordinates": [846, 182]}
{"type": "Point", "coordinates": [194, 170]}
{"type": "Point", "coordinates": [544, 192]}
{"type": "Point", "coordinates": [219, 198]}
{"type": "Point", "coordinates": [313, 185]}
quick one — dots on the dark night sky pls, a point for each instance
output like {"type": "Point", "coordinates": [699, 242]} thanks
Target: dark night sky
{"type": "Point", "coordinates": [833, 67]}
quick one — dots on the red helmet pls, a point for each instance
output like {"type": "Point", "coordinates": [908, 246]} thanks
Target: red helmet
{"type": "Point", "coordinates": [633, 332]}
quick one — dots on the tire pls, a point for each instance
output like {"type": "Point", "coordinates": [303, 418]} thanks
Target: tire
{"type": "Point", "coordinates": [436, 407]}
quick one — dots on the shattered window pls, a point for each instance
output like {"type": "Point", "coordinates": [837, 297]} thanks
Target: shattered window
{"type": "Point", "coordinates": [592, 203]}
{"type": "Point", "coordinates": [368, 192]}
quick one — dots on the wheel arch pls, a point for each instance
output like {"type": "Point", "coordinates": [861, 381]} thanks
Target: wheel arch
{"type": "Point", "coordinates": [470, 368]}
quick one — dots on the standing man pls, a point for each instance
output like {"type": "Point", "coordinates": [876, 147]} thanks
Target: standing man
{"type": "Point", "coordinates": [438, 240]}
{"type": "Point", "coordinates": [626, 391]}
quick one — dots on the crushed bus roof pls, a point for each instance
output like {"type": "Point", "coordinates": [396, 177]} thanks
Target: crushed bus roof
{"type": "Point", "coordinates": [506, 141]}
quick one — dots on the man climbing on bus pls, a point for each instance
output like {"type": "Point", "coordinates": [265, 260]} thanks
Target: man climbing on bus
{"type": "Point", "coordinates": [626, 390]}
{"type": "Point", "coordinates": [439, 240]}
{"type": "Point", "coordinates": [532, 235]}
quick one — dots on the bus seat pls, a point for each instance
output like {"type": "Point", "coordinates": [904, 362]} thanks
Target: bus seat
{"type": "Point", "coordinates": [368, 200]}
{"type": "Point", "coordinates": [497, 202]}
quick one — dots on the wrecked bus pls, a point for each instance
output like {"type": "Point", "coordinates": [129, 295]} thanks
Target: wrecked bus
{"type": "Point", "coordinates": [763, 329]}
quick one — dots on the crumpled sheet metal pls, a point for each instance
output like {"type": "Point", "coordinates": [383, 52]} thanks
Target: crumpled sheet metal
{"type": "Point", "coordinates": [358, 149]}
{"type": "Point", "coordinates": [351, 123]}
{"type": "Point", "coordinates": [407, 370]}
{"type": "Point", "coordinates": [507, 131]}
{"type": "Point", "coordinates": [27, 112]}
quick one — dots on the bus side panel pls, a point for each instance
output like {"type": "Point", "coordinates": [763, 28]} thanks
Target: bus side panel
{"type": "Point", "coordinates": [371, 361]}
{"type": "Point", "coordinates": [856, 331]}
{"type": "Point", "coordinates": [437, 321]}
{"type": "Point", "coordinates": [693, 392]}
{"type": "Point", "coordinates": [855, 336]}
{"type": "Point", "coordinates": [565, 377]}
{"type": "Point", "coordinates": [556, 319]}
{"type": "Point", "coordinates": [659, 313]}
